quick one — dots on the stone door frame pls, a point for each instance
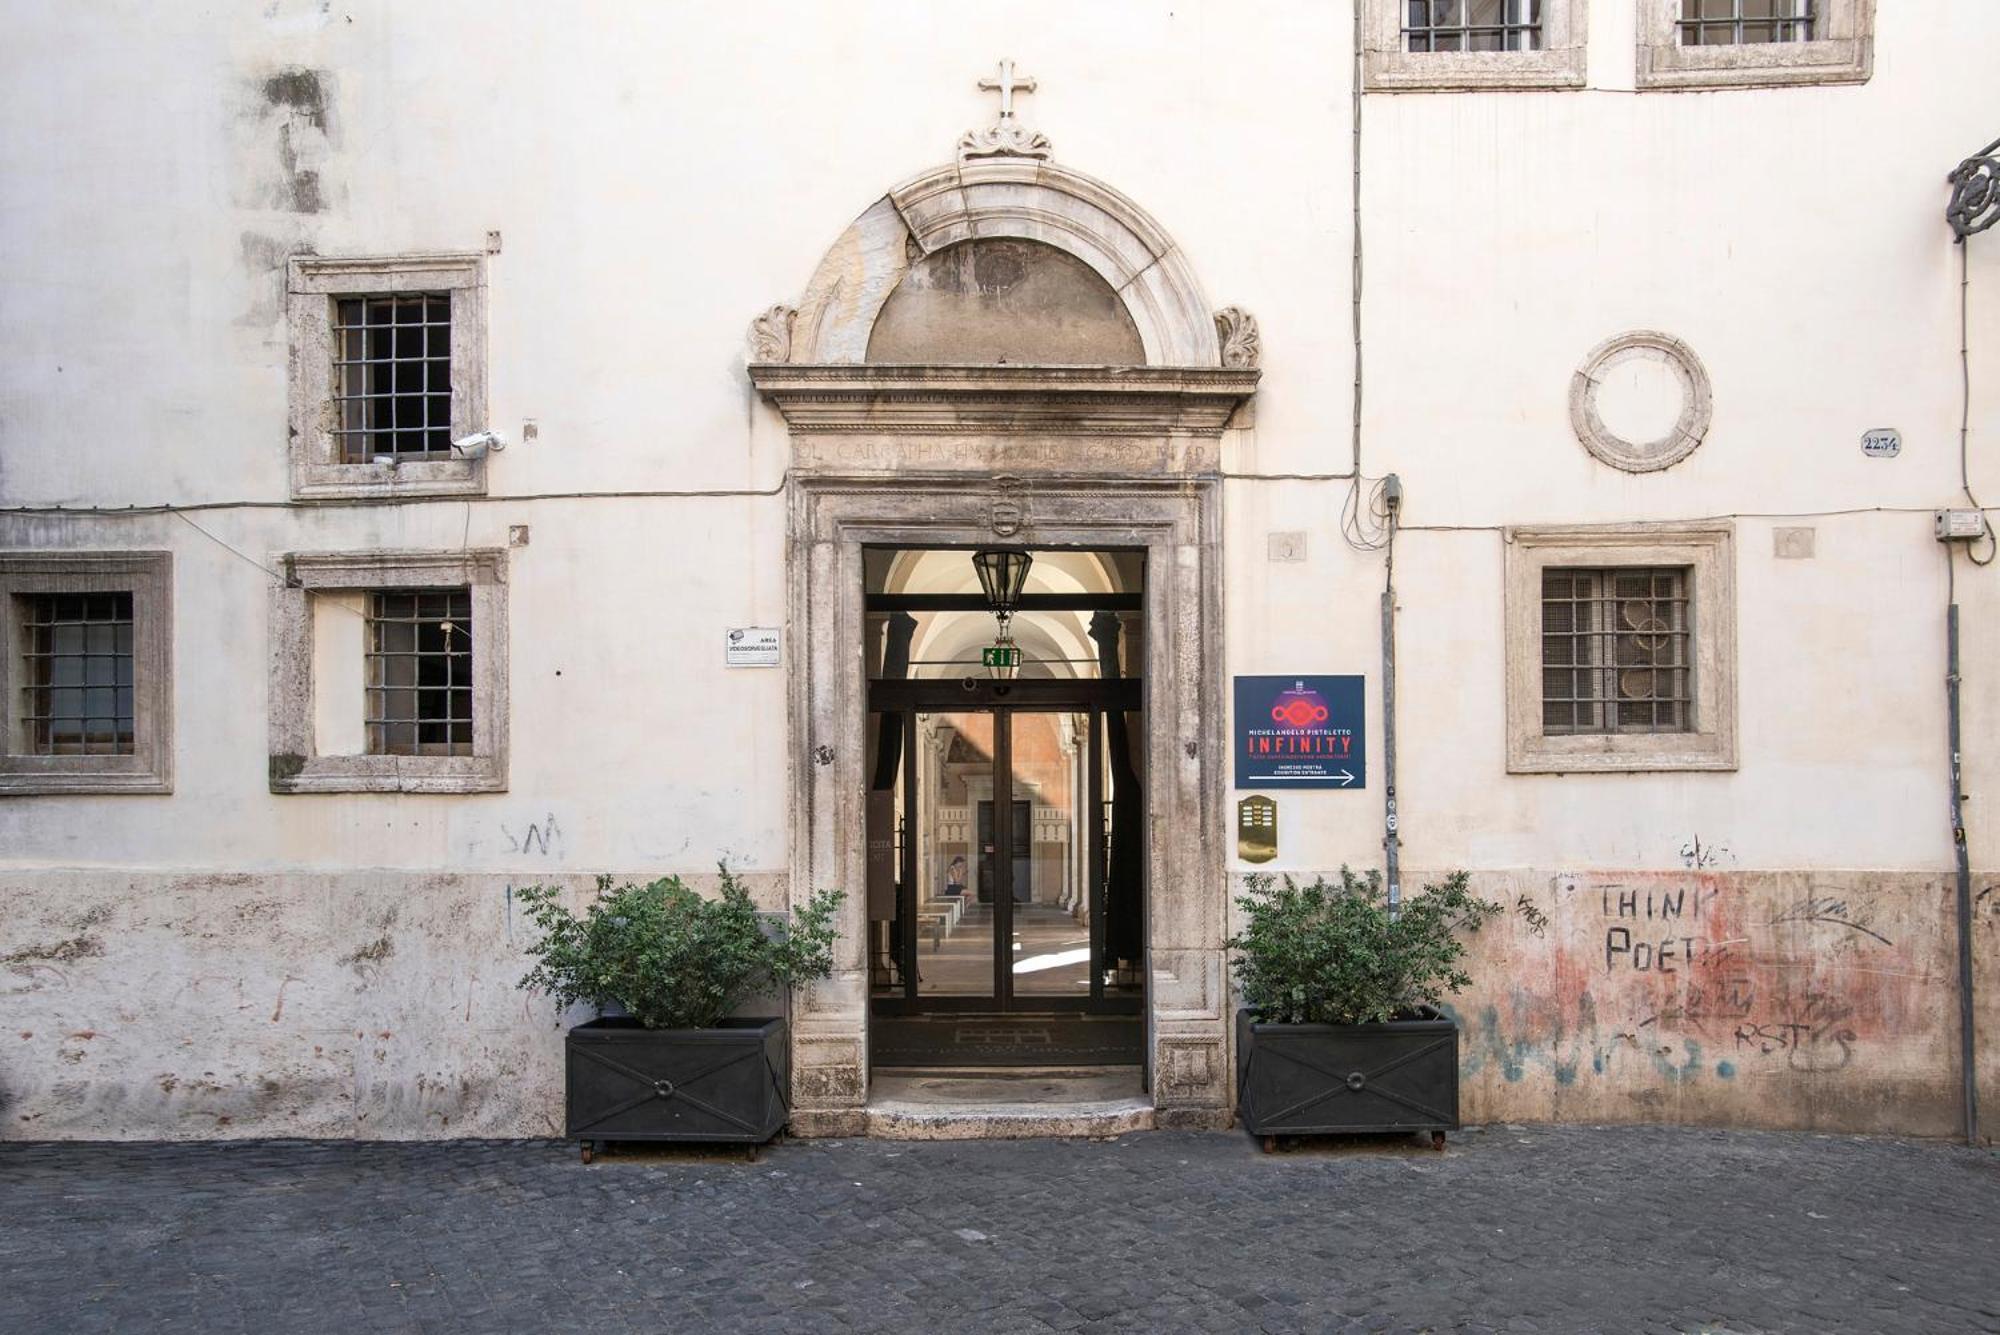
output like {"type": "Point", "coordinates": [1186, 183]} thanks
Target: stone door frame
{"type": "Point", "coordinates": [1177, 520]}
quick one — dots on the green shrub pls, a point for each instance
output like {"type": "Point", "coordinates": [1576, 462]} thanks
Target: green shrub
{"type": "Point", "coordinates": [671, 958]}
{"type": "Point", "coordinates": [1333, 954]}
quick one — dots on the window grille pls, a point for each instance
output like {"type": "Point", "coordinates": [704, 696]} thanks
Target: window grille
{"type": "Point", "coordinates": [77, 677]}
{"type": "Point", "coordinates": [392, 376]}
{"type": "Point", "coordinates": [1737, 22]}
{"type": "Point", "coordinates": [420, 673]}
{"type": "Point", "coordinates": [1472, 25]}
{"type": "Point", "coordinates": [1616, 650]}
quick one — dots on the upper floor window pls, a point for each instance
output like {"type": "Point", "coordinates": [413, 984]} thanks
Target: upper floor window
{"type": "Point", "coordinates": [1751, 43]}
{"type": "Point", "coordinates": [1621, 648]}
{"type": "Point", "coordinates": [389, 673]}
{"type": "Point", "coordinates": [388, 361]}
{"type": "Point", "coordinates": [1737, 22]}
{"type": "Point", "coordinates": [84, 672]}
{"type": "Point", "coordinates": [1473, 25]}
{"type": "Point", "coordinates": [1615, 650]}
{"type": "Point", "coordinates": [1469, 45]}
{"type": "Point", "coordinates": [392, 376]}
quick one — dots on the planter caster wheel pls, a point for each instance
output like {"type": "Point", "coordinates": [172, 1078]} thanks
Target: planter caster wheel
{"type": "Point", "coordinates": [750, 1154]}
{"type": "Point", "coordinates": [1437, 1141]}
{"type": "Point", "coordinates": [1270, 1144]}
{"type": "Point", "coordinates": [589, 1149]}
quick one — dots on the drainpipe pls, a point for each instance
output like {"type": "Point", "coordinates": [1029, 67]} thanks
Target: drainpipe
{"type": "Point", "coordinates": [1392, 501]}
{"type": "Point", "coordinates": [1967, 1053]}
{"type": "Point", "coordinates": [1355, 259]}
{"type": "Point", "coordinates": [1974, 207]}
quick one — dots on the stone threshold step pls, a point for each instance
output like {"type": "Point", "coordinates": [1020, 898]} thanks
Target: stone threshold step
{"type": "Point", "coordinates": [1014, 1105]}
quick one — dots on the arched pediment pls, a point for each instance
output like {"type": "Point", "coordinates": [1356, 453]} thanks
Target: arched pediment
{"type": "Point", "coordinates": [1003, 197]}
{"type": "Point", "coordinates": [1118, 338]}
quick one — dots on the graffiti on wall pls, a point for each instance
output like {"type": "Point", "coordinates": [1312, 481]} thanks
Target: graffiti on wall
{"type": "Point", "coordinates": [1644, 985]}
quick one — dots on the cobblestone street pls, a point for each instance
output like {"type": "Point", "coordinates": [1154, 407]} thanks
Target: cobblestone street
{"type": "Point", "coordinates": [1538, 1229]}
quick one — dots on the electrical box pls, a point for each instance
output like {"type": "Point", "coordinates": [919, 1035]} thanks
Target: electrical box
{"type": "Point", "coordinates": [1960, 525]}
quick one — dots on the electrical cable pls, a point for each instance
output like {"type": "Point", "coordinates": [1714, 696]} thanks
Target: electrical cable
{"type": "Point", "coordinates": [228, 547]}
{"type": "Point", "coordinates": [1693, 519]}
{"type": "Point", "coordinates": [1286, 477]}
{"type": "Point", "coordinates": [1355, 81]}
{"type": "Point", "coordinates": [195, 507]}
{"type": "Point", "coordinates": [276, 577]}
{"type": "Point", "coordinates": [1365, 531]}
{"type": "Point", "coordinates": [1965, 405]}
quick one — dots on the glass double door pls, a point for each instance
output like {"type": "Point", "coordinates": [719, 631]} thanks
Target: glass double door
{"type": "Point", "coordinates": [991, 851]}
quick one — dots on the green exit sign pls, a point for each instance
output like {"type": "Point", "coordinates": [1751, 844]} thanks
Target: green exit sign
{"type": "Point", "coordinates": [1000, 656]}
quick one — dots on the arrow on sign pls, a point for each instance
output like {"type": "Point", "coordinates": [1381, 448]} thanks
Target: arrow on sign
{"type": "Point", "coordinates": [1345, 778]}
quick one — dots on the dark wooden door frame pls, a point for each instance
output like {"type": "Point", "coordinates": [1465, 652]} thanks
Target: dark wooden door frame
{"type": "Point", "coordinates": [1003, 699]}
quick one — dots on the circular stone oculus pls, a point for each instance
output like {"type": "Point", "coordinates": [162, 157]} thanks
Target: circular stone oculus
{"type": "Point", "coordinates": [1641, 401]}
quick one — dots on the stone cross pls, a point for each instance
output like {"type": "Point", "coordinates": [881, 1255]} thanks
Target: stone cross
{"type": "Point", "coordinates": [1005, 86]}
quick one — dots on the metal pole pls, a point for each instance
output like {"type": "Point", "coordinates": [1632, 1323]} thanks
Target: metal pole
{"type": "Point", "coordinates": [1967, 1055]}
{"type": "Point", "coordinates": [1355, 272]}
{"type": "Point", "coordinates": [1391, 840]}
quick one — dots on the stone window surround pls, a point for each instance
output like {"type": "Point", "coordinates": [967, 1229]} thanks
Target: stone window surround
{"type": "Point", "coordinates": [295, 767]}
{"type": "Point", "coordinates": [1845, 54]}
{"type": "Point", "coordinates": [1708, 549]}
{"type": "Point", "coordinates": [148, 576]}
{"type": "Point", "coordinates": [311, 280]}
{"type": "Point", "coordinates": [1388, 68]}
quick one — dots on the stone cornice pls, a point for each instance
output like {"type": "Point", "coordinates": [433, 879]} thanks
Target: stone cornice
{"type": "Point", "coordinates": [888, 399]}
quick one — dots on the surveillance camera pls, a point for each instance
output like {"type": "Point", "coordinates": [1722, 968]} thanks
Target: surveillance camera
{"type": "Point", "coordinates": [476, 445]}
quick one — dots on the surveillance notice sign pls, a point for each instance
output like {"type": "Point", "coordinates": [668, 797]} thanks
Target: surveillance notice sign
{"type": "Point", "coordinates": [1300, 732]}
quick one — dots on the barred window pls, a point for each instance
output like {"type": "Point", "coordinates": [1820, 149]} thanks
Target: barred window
{"type": "Point", "coordinates": [1472, 25]}
{"type": "Point", "coordinates": [1741, 22]}
{"type": "Point", "coordinates": [403, 657]}
{"type": "Point", "coordinates": [1616, 650]}
{"type": "Point", "coordinates": [77, 673]}
{"type": "Point", "coordinates": [392, 376]}
{"type": "Point", "coordinates": [420, 673]}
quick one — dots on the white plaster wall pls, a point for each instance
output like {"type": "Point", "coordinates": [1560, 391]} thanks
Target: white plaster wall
{"type": "Point", "coordinates": [660, 173]}
{"type": "Point", "coordinates": [1795, 239]}
{"type": "Point", "coordinates": [657, 174]}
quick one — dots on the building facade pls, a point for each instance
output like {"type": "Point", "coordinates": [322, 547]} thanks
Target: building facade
{"type": "Point", "coordinates": [395, 513]}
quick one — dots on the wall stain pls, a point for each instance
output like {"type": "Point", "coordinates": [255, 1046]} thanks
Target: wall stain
{"type": "Point", "coordinates": [57, 952]}
{"type": "Point", "coordinates": [264, 259]}
{"type": "Point", "coordinates": [299, 100]}
{"type": "Point", "coordinates": [381, 948]}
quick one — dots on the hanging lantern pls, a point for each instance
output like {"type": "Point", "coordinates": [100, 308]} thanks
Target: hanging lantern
{"type": "Point", "coordinates": [1003, 573]}
{"type": "Point", "coordinates": [1003, 656]}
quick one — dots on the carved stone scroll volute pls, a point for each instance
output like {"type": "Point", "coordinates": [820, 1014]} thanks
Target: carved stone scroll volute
{"type": "Point", "coordinates": [1236, 331]}
{"type": "Point", "coordinates": [771, 335]}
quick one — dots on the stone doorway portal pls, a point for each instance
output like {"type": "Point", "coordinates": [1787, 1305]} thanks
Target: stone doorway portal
{"type": "Point", "coordinates": [948, 382]}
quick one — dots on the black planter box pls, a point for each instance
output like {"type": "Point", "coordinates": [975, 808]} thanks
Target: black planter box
{"type": "Point", "coordinates": [724, 1084]}
{"type": "Point", "coordinates": [1332, 1079]}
